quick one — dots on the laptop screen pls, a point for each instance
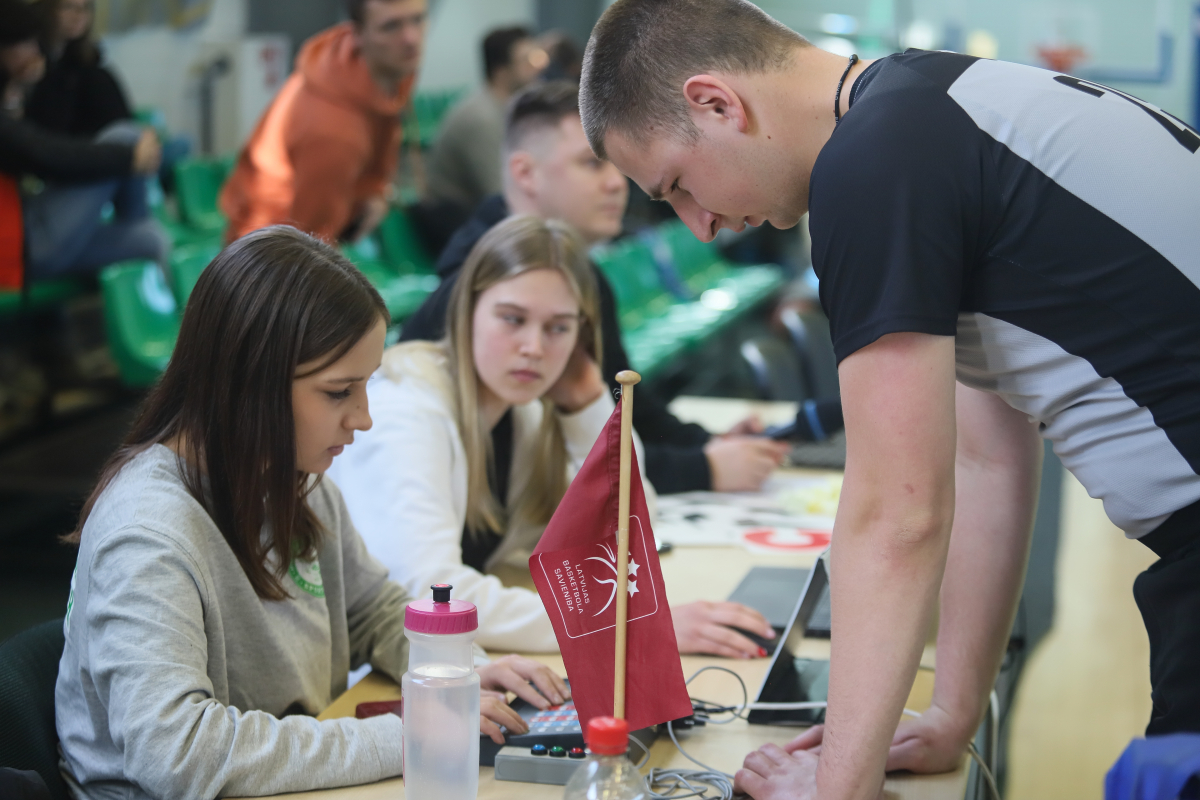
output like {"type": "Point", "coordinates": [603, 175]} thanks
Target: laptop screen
{"type": "Point", "coordinates": [791, 679]}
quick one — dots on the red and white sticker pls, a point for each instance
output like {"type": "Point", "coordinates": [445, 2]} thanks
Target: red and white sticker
{"type": "Point", "coordinates": [786, 540]}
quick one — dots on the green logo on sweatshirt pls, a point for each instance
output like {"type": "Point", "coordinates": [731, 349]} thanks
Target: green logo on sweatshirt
{"type": "Point", "coordinates": [307, 575]}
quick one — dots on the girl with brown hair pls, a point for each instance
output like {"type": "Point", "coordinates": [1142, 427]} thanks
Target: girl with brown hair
{"type": "Point", "coordinates": [221, 594]}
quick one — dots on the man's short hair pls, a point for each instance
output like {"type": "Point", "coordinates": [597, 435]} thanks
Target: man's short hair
{"type": "Point", "coordinates": [498, 47]}
{"type": "Point", "coordinates": [641, 53]}
{"type": "Point", "coordinates": [536, 108]}
{"type": "Point", "coordinates": [356, 10]}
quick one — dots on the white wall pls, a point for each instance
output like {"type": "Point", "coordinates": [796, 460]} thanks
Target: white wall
{"type": "Point", "coordinates": [1115, 33]}
{"type": "Point", "coordinates": [159, 66]}
{"type": "Point", "coordinates": [456, 29]}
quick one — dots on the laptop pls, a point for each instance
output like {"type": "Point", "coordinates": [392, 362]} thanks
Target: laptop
{"type": "Point", "coordinates": [790, 679]}
{"type": "Point", "coordinates": [774, 593]}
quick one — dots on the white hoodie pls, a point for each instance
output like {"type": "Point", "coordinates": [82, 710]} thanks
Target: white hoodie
{"type": "Point", "coordinates": [405, 483]}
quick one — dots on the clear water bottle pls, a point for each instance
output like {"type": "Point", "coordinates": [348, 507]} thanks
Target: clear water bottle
{"type": "Point", "coordinates": [608, 774]}
{"type": "Point", "coordinates": [441, 699]}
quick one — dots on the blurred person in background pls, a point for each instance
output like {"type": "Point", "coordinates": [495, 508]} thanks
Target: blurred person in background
{"type": "Point", "coordinates": [324, 152]}
{"type": "Point", "coordinates": [565, 56]}
{"type": "Point", "coordinates": [65, 182]}
{"type": "Point", "coordinates": [77, 95]}
{"type": "Point", "coordinates": [465, 165]}
{"type": "Point", "coordinates": [550, 171]}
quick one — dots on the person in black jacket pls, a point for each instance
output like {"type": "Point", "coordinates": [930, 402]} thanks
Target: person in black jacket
{"type": "Point", "coordinates": [77, 95]}
{"type": "Point", "coordinates": [551, 171]}
{"type": "Point", "coordinates": [64, 231]}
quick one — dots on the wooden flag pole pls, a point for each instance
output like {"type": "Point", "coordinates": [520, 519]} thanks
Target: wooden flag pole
{"type": "Point", "coordinates": [628, 379]}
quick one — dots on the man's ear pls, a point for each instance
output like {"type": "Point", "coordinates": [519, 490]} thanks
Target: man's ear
{"type": "Point", "coordinates": [712, 96]}
{"type": "Point", "coordinates": [522, 167]}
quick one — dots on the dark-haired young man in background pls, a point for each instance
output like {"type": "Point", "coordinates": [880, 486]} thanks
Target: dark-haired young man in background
{"type": "Point", "coordinates": [465, 164]}
{"type": "Point", "coordinates": [324, 153]}
{"type": "Point", "coordinates": [1003, 252]}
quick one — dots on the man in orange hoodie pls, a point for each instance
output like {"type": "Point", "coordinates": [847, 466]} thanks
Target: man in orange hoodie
{"type": "Point", "coordinates": [323, 154]}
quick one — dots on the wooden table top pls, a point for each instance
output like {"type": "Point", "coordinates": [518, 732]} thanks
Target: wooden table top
{"type": "Point", "coordinates": [691, 573]}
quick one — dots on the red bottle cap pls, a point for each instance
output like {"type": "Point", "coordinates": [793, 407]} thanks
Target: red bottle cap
{"type": "Point", "coordinates": [441, 615]}
{"type": "Point", "coordinates": [607, 736]}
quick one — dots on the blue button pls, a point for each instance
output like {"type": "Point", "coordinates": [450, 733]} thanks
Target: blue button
{"type": "Point", "coordinates": [538, 750]}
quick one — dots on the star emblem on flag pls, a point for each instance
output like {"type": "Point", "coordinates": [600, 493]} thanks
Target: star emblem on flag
{"type": "Point", "coordinates": [633, 568]}
{"type": "Point", "coordinates": [633, 588]}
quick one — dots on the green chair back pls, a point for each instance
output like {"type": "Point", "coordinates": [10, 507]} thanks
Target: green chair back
{"type": "Point", "coordinates": [629, 266]}
{"type": "Point", "coordinates": [28, 672]}
{"type": "Point", "coordinates": [429, 108]}
{"type": "Point", "coordinates": [142, 318]}
{"type": "Point", "coordinates": [365, 251]}
{"type": "Point", "coordinates": [691, 256]}
{"type": "Point", "coordinates": [39, 295]}
{"type": "Point", "coordinates": [401, 247]}
{"type": "Point", "coordinates": [187, 262]}
{"type": "Point", "coordinates": [198, 184]}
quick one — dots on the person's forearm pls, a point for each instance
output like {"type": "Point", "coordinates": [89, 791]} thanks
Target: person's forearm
{"type": "Point", "coordinates": [884, 579]}
{"type": "Point", "coordinates": [988, 551]}
{"type": "Point", "coordinates": [889, 547]}
{"type": "Point", "coordinates": [52, 156]}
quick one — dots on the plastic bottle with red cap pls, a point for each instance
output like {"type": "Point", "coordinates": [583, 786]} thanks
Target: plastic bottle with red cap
{"type": "Point", "coordinates": [441, 699]}
{"type": "Point", "coordinates": [608, 774]}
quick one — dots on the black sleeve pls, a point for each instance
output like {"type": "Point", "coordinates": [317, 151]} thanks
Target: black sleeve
{"type": "Point", "coordinates": [428, 323]}
{"type": "Point", "coordinates": [101, 102]}
{"type": "Point", "coordinates": [28, 149]}
{"type": "Point", "coordinates": [894, 207]}
{"type": "Point", "coordinates": [677, 469]}
{"type": "Point", "coordinates": [675, 460]}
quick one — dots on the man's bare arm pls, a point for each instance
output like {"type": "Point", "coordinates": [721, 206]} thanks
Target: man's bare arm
{"type": "Point", "coordinates": [889, 547]}
{"type": "Point", "coordinates": [997, 476]}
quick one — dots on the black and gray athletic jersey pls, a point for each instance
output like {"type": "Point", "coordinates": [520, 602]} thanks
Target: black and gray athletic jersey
{"type": "Point", "coordinates": [1049, 224]}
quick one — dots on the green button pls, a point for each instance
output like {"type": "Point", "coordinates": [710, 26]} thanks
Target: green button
{"type": "Point", "coordinates": [557, 752]}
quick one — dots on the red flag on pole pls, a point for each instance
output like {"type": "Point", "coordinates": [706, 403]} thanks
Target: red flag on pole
{"type": "Point", "coordinates": [574, 568]}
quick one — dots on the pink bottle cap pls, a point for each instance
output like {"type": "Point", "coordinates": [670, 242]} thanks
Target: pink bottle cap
{"type": "Point", "coordinates": [441, 615]}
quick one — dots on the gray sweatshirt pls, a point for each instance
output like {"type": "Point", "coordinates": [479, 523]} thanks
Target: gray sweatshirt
{"type": "Point", "coordinates": [179, 681]}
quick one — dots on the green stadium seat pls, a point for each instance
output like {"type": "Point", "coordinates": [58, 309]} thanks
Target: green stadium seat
{"type": "Point", "coordinates": [181, 234]}
{"type": "Point", "coordinates": [142, 318]}
{"type": "Point", "coordinates": [187, 262]}
{"type": "Point", "coordinates": [365, 250]}
{"type": "Point", "coordinates": [428, 110]}
{"type": "Point", "coordinates": [402, 294]}
{"type": "Point", "coordinates": [39, 295]}
{"type": "Point", "coordinates": [656, 327]}
{"type": "Point", "coordinates": [708, 276]}
{"type": "Point", "coordinates": [198, 184]}
{"type": "Point", "coordinates": [401, 248]}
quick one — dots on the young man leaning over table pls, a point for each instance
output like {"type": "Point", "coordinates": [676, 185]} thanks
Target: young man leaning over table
{"type": "Point", "coordinates": [1003, 252]}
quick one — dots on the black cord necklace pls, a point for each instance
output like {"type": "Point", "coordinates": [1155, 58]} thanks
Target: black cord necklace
{"type": "Point", "coordinates": [837, 97]}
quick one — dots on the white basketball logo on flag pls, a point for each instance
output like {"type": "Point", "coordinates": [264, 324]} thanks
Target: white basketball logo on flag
{"type": "Point", "coordinates": [585, 582]}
